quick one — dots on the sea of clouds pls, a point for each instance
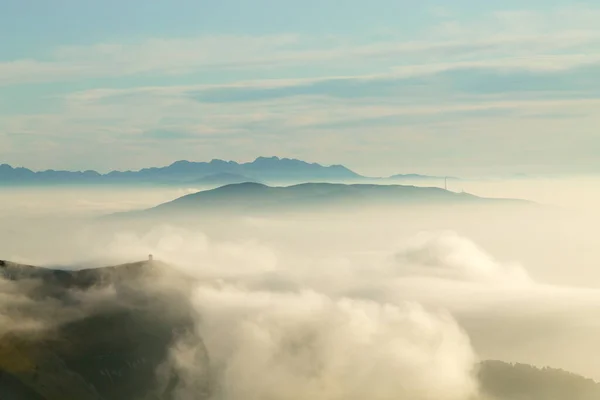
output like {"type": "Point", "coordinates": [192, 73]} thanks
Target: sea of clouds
{"type": "Point", "coordinates": [378, 306]}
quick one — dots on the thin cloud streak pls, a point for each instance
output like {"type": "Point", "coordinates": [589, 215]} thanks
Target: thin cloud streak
{"type": "Point", "coordinates": [161, 56]}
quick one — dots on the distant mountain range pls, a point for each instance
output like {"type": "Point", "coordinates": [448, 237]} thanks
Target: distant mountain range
{"type": "Point", "coordinates": [215, 172]}
{"type": "Point", "coordinates": [254, 197]}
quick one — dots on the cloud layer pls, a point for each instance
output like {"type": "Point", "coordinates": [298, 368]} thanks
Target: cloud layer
{"type": "Point", "coordinates": [329, 304]}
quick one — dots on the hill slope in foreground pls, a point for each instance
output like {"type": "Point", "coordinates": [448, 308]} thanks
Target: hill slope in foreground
{"type": "Point", "coordinates": [256, 197]}
{"type": "Point", "coordinates": [91, 334]}
{"type": "Point", "coordinates": [65, 337]}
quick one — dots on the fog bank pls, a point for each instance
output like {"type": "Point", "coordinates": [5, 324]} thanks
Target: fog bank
{"type": "Point", "coordinates": [339, 306]}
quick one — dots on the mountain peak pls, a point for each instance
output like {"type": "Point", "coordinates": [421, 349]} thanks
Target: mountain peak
{"type": "Point", "coordinates": [218, 161]}
{"type": "Point", "coordinates": [180, 162]}
{"type": "Point", "coordinates": [243, 186]}
{"type": "Point", "coordinates": [266, 159]}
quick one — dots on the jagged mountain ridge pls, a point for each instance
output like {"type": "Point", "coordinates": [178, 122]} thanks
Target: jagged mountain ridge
{"type": "Point", "coordinates": [220, 172]}
{"type": "Point", "coordinates": [215, 171]}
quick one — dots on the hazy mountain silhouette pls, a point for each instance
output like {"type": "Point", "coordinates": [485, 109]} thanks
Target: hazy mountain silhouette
{"type": "Point", "coordinates": [249, 197]}
{"type": "Point", "coordinates": [10, 175]}
{"type": "Point", "coordinates": [215, 171]}
{"type": "Point", "coordinates": [263, 169]}
{"type": "Point", "coordinates": [222, 178]}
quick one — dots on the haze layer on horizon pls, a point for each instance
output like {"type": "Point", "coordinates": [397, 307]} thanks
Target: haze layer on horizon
{"type": "Point", "coordinates": [382, 87]}
{"type": "Point", "coordinates": [533, 272]}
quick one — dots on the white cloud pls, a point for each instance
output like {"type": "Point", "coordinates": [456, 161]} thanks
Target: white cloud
{"type": "Point", "coordinates": [446, 255]}
{"type": "Point", "coordinates": [152, 56]}
{"type": "Point", "coordinates": [321, 348]}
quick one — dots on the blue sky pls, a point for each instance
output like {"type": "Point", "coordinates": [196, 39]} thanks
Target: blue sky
{"type": "Point", "coordinates": [384, 86]}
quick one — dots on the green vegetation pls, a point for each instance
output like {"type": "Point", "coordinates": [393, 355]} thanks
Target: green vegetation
{"type": "Point", "coordinates": [504, 381]}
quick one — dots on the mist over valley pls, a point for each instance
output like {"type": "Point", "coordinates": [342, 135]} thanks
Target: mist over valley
{"type": "Point", "coordinates": [341, 291]}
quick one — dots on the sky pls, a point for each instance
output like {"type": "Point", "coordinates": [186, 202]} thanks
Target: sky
{"type": "Point", "coordinates": [382, 86]}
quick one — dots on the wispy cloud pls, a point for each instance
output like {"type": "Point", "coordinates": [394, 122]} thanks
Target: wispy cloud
{"type": "Point", "coordinates": [155, 122]}
{"type": "Point", "coordinates": [497, 82]}
{"type": "Point", "coordinates": [539, 40]}
{"type": "Point", "coordinates": [478, 82]}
